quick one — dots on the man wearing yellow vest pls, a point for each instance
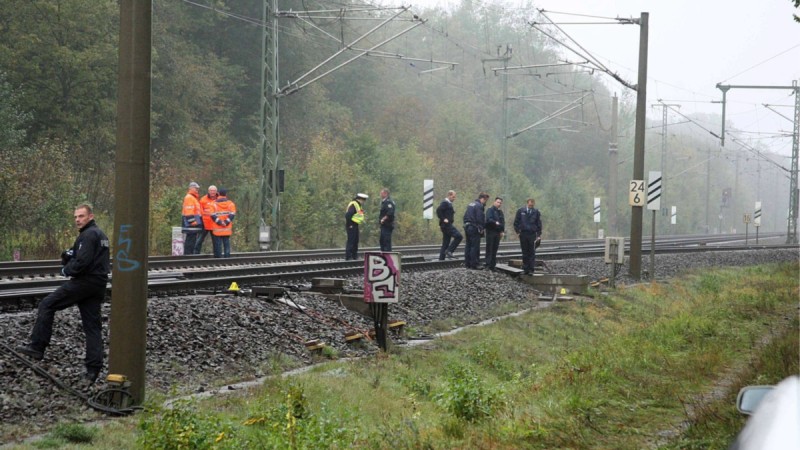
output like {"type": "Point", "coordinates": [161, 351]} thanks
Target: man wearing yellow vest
{"type": "Point", "coordinates": [353, 216]}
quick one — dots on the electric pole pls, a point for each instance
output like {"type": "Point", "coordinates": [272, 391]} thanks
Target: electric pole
{"type": "Point", "coordinates": [664, 182]}
{"type": "Point", "coordinates": [635, 267]}
{"type": "Point", "coordinates": [612, 168]}
{"type": "Point", "coordinates": [269, 232]}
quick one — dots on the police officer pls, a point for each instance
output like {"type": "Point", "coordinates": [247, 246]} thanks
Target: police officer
{"type": "Point", "coordinates": [450, 235]}
{"type": "Point", "coordinates": [386, 220]}
{"type": "Point", "coordinates": [474, 222]}
{"type": "Point", "coordinates": [495, 229]}
{"type": "Point", "coordinates": [528, 225]}
{"type": "Point", "coordinates": [353, 217]}
{"type": "Point", "coordinates": [87, 265]}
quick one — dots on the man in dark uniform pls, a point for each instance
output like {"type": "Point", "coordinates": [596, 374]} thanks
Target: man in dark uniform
{"type": "Point", "coordinates": [386, 220]}
{"type": "Point", "coordinates": [528, 225]}
{"type": "Point", "coordinates": [474, 221]}
{"type": "Point", "coordinates": [495, 229]}
{"type": "Point", "coordinates": [353, 217]}
{"type": "Point", "coordinates": [87, 264]}
{"type": "Point", "coordinates": [450, 235]}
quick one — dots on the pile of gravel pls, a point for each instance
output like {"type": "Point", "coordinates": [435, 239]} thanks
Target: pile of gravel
{"type": "Point", "coordinates": [196, 343]}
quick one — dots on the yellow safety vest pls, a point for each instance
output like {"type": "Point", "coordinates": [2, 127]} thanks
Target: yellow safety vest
{"type": "Point", "coordinates": [358, 217]}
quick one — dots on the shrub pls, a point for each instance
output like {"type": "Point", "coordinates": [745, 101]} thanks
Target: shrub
{"type": "Point", "coordinates": [466, 396]}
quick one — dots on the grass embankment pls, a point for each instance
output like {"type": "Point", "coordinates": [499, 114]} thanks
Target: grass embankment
{"type": "Point", "coordinates": [622, 371]}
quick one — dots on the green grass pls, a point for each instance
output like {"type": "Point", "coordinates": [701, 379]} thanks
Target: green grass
{"type": "Point", "coordinates": [623, 371]}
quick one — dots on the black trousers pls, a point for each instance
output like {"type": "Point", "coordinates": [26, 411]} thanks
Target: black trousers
{"type": "Point", "coordinates": [386, 239]}
{"type": "Point", "coordinates": [472, 251]}
{"type": "Point", "coordinates": [492, 245]}
{"type": "Point", "coordinates": [527, 242]}
{"type": "Point", "coordinates": [351, 248]}
{"type": "Point", "coordinates": [201, 237]}
{"type": "Point", "coordinates": [88, 296]}
{"type": "Point", "coordinates": [189, 243]}
{"type": "Point", "coordinates": [450, 240]}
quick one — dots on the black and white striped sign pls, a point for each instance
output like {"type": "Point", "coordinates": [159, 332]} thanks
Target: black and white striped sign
{"type": "Point", "coordinates": [427, 199]}
{"type": "Point", "coordinates": [757, 215]}
{"type": "Point", "coordinates": [597, 210]}
{"type": "Point", "coordinates": [654, 191]}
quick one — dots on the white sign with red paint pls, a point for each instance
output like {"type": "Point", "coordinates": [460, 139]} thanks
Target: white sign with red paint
{"type": "Point", "coordinates": [381, 277]}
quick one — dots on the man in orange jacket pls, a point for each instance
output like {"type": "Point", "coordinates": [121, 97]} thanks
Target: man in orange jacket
{"type": "Point", "coordinates": [192, 223]}
{"type": "Point", "coordinates": [207, 206]}
{"type": "Point", "coordinates": [224, 213]}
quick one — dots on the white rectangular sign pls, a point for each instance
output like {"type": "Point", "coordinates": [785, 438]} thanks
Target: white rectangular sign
{"type": "Point", "coordinates": [757, 214]}
{"type": "Point", "coordinates": [427, 199]}
{"type": "Point", "coordinates": [636, 193]}
{"type": "Point", "coordinates": [597, 210]}
{"type": "Point", "coordinates": [674, 217]}
{"type": "Point", "coordinates": [654, 191]}
{"type": "Point", "coordinates": [381, 277]}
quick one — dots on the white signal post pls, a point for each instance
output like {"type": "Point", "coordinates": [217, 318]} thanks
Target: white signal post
{"type": "Point", "coordinates": [757, 219]}
{"type": "Point", "coordinates": [653, 204]}
{"type": "Point", "coordinates": [597, 216]}
{"type": "Point", "coordinates": [427, 199]}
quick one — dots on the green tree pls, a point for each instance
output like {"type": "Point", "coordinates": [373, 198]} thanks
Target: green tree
{"type": "Point", "coordinates": [62, 55]}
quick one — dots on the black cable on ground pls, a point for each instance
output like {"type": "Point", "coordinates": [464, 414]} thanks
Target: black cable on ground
{"type": "Point", "coordinates": [91, 401]}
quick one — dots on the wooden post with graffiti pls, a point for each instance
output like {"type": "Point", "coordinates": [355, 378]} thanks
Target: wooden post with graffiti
{"type": "Point", "coordinates": [381, 287]}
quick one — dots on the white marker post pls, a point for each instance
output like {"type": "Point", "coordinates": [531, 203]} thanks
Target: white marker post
{"type": "Point", "coordinates": [757, 219]}
{"type": "Point", "coordinates": [427, 199]}
{"type": "Point", "coordinates": [597, 215]}
{"type": "Point", "coordinates": [653, 204]}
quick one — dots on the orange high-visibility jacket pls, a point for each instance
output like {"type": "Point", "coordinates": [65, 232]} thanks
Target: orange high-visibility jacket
{"type": "Point", "coordinates": [207, 206]}
{"type": "Point", "coordinates": [192, 221]}
{"type": "Point", "coordinates": [224, 213]}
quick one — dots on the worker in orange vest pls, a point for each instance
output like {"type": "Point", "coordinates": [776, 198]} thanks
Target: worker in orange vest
{"type": "Point", "coordinates": [192, 223]}
{"type": "Point", "coordinates": [207, 206]}
{"type": "Point", "coordinates": [224, 213]}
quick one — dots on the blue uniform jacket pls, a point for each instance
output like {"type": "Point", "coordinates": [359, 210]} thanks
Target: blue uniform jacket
{"type": "Point", "coordinates": [90, 258]}
{"type": "Point", "coordinates": [493, 217]}
{"type": "Point", "coordinates": [445, 211]}
{"type": "Point", "coordinates": [528, 221]}
{"type": "Point", "coordinates": [474, 215]}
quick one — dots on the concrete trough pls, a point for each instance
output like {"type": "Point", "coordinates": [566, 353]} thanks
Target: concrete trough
{"type": "Point", "coordinates": [558, 283]}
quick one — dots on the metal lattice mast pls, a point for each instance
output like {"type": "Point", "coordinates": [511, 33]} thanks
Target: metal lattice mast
{"type": "Point", "coordinates": [270, 194]}
{"type": "Point", "coordinates": [791, 237]}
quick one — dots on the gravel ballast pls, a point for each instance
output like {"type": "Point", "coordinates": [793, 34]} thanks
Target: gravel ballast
{"type": "Point", "coordinates": [201, 342]}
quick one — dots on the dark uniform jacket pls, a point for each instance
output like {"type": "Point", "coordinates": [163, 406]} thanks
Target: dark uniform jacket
{"type": "Point", "coordinates": [387, 211]}
{"type": "Point", "coordinates": [90, 258]}
{"type": "Point", "coordinates": [474, 215]}
{"type": "Point", "coordinates": [445, 211]}
{"type": "Point", "coordinates": [494, 216]}
{"type": "Point", "coordinates": [528, 221]}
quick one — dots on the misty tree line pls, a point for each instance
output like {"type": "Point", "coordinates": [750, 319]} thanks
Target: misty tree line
{"type": "Point", "coordinates": [378, 122]}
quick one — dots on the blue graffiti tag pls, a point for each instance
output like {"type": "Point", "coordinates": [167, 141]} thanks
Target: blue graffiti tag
{"type": "Point", "coordinates": [121, 260]}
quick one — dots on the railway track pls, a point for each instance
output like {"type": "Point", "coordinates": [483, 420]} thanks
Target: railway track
{"type": "Point", "coordinates": [23, 283]}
